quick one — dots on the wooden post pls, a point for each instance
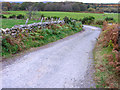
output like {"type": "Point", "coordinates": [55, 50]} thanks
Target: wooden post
{"type": "Point", "coordinates": [59, 19]}
{"type": "Point", "coordinates": [41, 19]}
{"type": "Point", "coordinates": [27, 21]}
{"type": "Point", "coordinates": [47, 19]}
{"type": "Point", "coordinates": [51, 20]}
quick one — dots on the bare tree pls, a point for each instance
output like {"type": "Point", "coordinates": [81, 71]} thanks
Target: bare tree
{"type": "Point", "coordinates": [30, 8]}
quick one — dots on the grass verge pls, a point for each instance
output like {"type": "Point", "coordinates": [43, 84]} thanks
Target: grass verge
{"type": "Point", "coordinates": [100, 26]}
{"type": "Point", "coordinates": [105, 75]}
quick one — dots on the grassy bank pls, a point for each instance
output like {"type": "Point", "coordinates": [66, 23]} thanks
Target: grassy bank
{"type": "Point", "coordinates": [107, 63]}
{"type": "Point", "coordinates": [37, 37]}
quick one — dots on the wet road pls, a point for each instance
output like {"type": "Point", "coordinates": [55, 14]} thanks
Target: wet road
{"type": "Point", "coordinates": [66, 64]}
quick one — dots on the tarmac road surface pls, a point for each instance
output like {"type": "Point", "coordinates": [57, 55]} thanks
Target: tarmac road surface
{"type": "Point", "coordinates": [66, 63]}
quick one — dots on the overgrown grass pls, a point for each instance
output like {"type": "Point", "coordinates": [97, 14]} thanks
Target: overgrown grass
{"type": "Point", "coordinates": [37, 38]}
{"type": "Point", "coordinates": [105, 76]}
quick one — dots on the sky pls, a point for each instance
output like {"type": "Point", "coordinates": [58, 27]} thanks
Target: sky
{"type": "Point", "coordinates": [84, 1]}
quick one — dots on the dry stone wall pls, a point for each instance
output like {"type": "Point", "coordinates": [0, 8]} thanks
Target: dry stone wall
{"type": "Point", "coordinates": [22, 28]}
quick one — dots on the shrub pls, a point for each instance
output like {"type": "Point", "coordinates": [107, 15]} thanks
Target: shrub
{"type": "Point", "coordinates": [66, 19]}
{"type": "Point", "coordinates": [2, 16]}
{"type": "Point", "coordinates": [55, 17]}
{"type": "Point", "coordinates": [20, 16]}
{"type": "Point", "coordinates": [88, 20]}
{"type": "Point", "coordinates": [49, 17]}
{"type": "Point", "coordinates": [80, 19]}
{"type": "Point", "coordinates": [99, 22]}
{"type": "Point", "coordinates": [42, 15]}
{"type": "Point", "coordinates": [111, 35]}
{"type": "Point", "coordinates": [91, 18]}
{"type": "Point", "coordinates": [74, 19]}
{"type": "Point", "coordinates": [13, 16]}
{"type": "Point", "coordinates": [58, 17]}
{"type": "Point", "coordinates": [91, 9]}
{"type": "Point", "coordinates": [109, 19]}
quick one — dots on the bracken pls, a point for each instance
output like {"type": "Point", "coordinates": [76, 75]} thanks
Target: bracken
{"type": "Point", "coordinates": [111, 39]}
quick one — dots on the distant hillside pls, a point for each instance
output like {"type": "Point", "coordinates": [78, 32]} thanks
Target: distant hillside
{"type": "Point", "coordinates": [61, 6]}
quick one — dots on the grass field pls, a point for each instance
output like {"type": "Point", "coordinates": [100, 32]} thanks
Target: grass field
{"type": "Point", "coordinates": [6, 23]}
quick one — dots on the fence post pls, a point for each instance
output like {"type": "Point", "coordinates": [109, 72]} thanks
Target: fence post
{"type": "Point", "coordinates": [51, 20]}
{"type": "Point", "coordinates": [41, 19]}
{"type": "Point", "coordinates": [47, 19]}
{"type": "Point", "coordinates": [26, 21]}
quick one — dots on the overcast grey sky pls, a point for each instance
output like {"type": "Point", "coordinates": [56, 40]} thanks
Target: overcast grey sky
{"type": "Point", "coordinates": [84, 1]}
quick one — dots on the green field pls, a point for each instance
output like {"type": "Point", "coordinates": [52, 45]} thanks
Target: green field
{"type": "Point", "coordinates": [7, 23]}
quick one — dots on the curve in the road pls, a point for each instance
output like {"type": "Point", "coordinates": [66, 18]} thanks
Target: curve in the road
{"type": "Point", "coordinates": [67, 64]}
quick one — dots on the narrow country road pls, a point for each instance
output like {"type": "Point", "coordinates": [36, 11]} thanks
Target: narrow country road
{"type": "Point", "coordinates": [67, 63]}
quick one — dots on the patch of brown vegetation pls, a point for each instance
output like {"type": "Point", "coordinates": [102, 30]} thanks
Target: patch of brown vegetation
{"type": "Point", "coordinates": [111, 39]}
{"type": "Point", "coordinates": [6, 13]}
{"type": "Point", "coordinates": [107, 57]}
